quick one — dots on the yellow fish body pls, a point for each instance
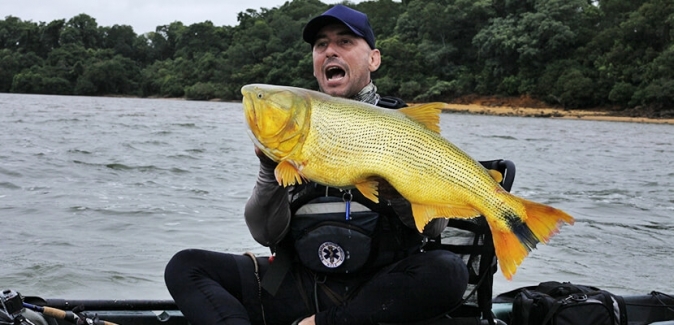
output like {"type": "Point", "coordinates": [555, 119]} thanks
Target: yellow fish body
{"type": "Point", "coordinates": [344, 143]}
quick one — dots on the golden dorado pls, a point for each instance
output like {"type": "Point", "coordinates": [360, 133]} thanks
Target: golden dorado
{"type": "Point", "coordinates": [344, 143]}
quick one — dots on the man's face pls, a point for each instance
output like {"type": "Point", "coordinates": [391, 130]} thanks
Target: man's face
{"type": "Point", "coordinates": [343, 61]}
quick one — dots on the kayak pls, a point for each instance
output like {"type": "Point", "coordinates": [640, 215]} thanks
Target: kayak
{"type": "Point", "coordinates": [654, 308]}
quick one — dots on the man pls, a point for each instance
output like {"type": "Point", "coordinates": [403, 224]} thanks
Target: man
{"type": "Point", "coordinates": [343, 57]}
{"type": "Point", "coordinates": [370, 267]}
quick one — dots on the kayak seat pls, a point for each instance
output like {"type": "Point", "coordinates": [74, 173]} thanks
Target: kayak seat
{"type": "Point", "coordinates": [472, 240]}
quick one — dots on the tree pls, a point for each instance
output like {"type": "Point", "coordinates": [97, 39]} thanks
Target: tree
{"type": "Point", "coordinates": [517, 48]}
{"type": "Point", "coordinates": [120, 38]}
{"type": "Point", "coordinates": [117, 75]}
{"type": "Point", "coordinates": [67, 61]}
{"type": "Point", "coordinates": [9, 66]}
{"type": "Point", "coordinates": [576, 53]}
{"type": "Point", "coordinates": [635, 34]}
{"type": "Point", "coordinates": [401, 62]}
{"type": "Point", "coordinates": [383, 16]}
{"type": "Point", "coordinates": [34, 82]}
{"type": "Point", "coordinates": [199, 38]}
{"type": "Point", "coordinates": [18, 35]}
{"type": "Point", "coordinates": [50, 36]}
{"type": "Point", "coordinates": [81, 30]}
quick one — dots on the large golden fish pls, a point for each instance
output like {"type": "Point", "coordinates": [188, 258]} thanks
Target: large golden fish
{"type": "Point", "coordinates": [344, 143]}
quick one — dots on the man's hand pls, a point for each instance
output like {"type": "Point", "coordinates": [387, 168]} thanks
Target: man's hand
{"type": "Point", "coordinates": [264, 159]}
{"type": "Point", "coordinates": [308, 321]}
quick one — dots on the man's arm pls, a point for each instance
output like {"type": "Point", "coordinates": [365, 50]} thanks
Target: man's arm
{"type": "Point", "coordinates": [267, 211]}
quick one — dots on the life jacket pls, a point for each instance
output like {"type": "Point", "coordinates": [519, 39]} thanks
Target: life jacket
{"type": "Point", "coordinates": [328, 239]}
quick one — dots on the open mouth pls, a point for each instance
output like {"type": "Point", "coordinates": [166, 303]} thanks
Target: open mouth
{"type": "Point", "coordinates": [334, 73]}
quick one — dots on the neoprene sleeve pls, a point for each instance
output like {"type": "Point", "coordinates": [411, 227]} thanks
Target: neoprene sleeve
{"type": "Point", "coordinates": [267, 211]}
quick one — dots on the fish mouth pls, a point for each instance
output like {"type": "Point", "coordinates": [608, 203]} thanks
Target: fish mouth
{"type": "Point", "coordinates": [252, 117]}
{"type": "Point", "coordinates": [271, 120]}
{"type": "Point", "coordinates": [250, 112]}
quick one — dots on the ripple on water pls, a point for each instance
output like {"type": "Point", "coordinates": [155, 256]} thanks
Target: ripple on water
{"type": "Point", "coordinates": [97, 194]}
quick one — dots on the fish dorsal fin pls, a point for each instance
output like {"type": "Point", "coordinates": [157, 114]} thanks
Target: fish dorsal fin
{"type": "Point", "coordinates": [426, 114]}
{"type": "Point", "coordinates": [423, 214]}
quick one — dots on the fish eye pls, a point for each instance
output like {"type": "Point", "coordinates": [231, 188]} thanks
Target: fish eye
{"type": "Point", "coordinates": [259, 96]}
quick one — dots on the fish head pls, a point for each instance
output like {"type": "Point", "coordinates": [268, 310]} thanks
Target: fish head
{"type": "Point", "coordinates": [277, 118]}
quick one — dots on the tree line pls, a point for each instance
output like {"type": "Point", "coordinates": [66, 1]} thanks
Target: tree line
{"type": "Point", "coordinates": [569, 53]}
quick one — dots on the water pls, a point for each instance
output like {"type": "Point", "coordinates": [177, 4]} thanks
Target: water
{"type": "Point", "coordinates": [96, 194]}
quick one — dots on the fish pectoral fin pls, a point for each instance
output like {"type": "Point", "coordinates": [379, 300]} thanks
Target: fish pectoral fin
{"type": "Point", "coordinates": [423, 214]}
{"type": "Point", "coordinates": [426, 114]}
{"type": "Point", "coordinates": [370, 189]}
{"type": "Point", "coordinates": [496, 175]}
{"type": "Point", "coordinates": [287, 174]}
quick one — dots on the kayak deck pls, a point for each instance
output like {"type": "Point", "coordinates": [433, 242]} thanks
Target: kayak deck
{"type": "Point", "coordinates": [653, 308]}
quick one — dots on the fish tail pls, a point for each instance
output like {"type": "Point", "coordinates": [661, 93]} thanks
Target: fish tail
{"type": "Point", "coordinates": [514, 243]}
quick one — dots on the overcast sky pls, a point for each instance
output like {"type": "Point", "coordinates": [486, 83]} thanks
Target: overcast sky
{"type": "Point", "coordinates": [142, 15]}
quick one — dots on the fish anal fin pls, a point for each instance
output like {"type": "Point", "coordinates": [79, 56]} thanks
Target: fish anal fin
{"type": "Point", "coordinates": [426, 114]}
{"type": "Point", "coordinates": [496, 175]}
{"type": "Point", "coordinates": [423, 214]}
{"type": "Point", "coordinates": [287, 174]}
{"type": "Point", "coordinates": [370, 189]}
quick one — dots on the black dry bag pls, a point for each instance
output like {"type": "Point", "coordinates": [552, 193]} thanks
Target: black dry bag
{"type": "Point", "coordinates": [554, 303]}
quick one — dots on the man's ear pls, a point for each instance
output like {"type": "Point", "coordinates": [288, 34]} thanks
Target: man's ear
{"type": "Point", "coordinates": [375, 60]}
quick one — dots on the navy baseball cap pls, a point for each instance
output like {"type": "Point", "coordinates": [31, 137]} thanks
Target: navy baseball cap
{"type": "Point", "coordinates": [355, 20]}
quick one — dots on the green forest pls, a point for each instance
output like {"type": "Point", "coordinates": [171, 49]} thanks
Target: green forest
{"type": "Point", "coordinates": [575, 54]}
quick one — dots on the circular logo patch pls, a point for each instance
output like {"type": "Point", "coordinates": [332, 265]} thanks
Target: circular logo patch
{"type": "Point", "coordinates": [331, 254]}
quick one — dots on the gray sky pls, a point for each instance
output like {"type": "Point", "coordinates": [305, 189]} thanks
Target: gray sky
{"type": "Point", "coordinates": [142, 15]}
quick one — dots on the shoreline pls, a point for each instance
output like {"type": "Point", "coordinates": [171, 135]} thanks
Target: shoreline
{"type": "Point", "coordinates": [512, 109]}
{"type": "Point", "coordinates": [548, 113]}
{"type": "Point", "coordinates": [496, 108]}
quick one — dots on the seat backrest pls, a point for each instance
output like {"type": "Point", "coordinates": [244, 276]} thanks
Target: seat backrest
{"type": "Point", "coordinates": [472, 240]}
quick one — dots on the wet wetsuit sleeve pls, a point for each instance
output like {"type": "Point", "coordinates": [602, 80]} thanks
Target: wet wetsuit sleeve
{"type": "Point", "coordinates": [267, 211]}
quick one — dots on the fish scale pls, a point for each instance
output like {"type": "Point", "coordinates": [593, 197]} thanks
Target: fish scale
{"type": "Point", "coordinates": [374, 135]}
{"type": "Point", "coordinates": [344, 143]}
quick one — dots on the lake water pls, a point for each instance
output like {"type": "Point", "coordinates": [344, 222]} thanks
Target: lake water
{"type": "Point", "coordinates": [97, 194]}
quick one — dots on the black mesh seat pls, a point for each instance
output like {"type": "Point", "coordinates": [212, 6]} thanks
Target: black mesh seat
{"type": "Point", "coordinates": [472, 240]}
